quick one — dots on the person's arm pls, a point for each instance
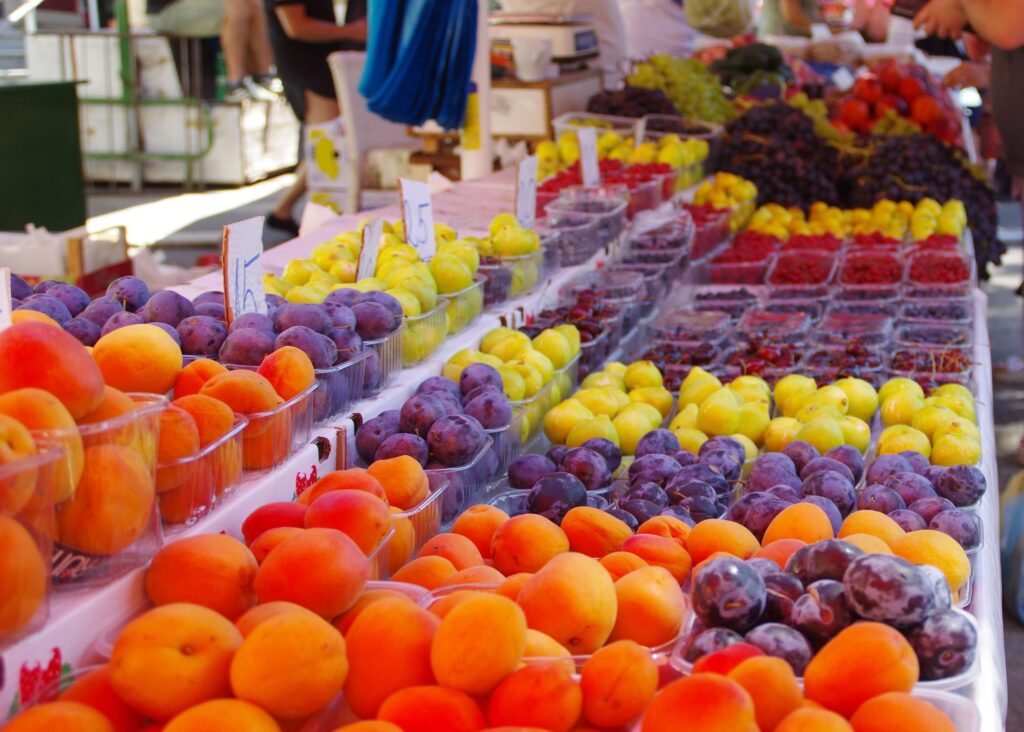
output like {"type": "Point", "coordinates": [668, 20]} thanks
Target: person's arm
{"type": "Point", "coordinates": [794, 15]}
{"type": "Point", "coordinates": [1000, 22]}
{"type": "Point", "coordinates": [300, 27]}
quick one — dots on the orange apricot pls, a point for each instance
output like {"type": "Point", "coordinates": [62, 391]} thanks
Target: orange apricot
{"type": "Point", "coordinates": [321, 569]}
{"type": "Point", "coordinates": [138, 358]}
{"type": "Point", "coordinates": [542, 646]}
{"type": "Point", "coordinates": [773, 687]}
{"type": "Point", "coordinates": [705, 702]}
{"type": "Point", "coordinates": [246, 392]}
{"type": "Point", "coordinates": [803, 521]}
{"type": "Point", "coordinates": [432, 709]}
{"type": "Point", "coordinates": [478, 524]}
{"type": "Point", "coordinates": [661, 551]}
{"type": "Point", "coordinates": [288, 370]}
{"type": "Point", "coordinates": [651, 607]}
{"type": "Point", "coordinates": [270, 540]}
{"type": "Point", "coordinates": [24, 574]}
{"type": "Point", "coordinates": [513, 585]}
{"type": "Point", "coordinates": [18, 487]}
{"type": "Point", "coordinates": [875, 523]}
{"type": "Point", "coordinates": [351, 479]}
{"type": "Point", "coordinates": [720, 535]}
{"type": "Point", "coordinates": [291, 665]}
{"type": "Point", "coordinates": [481, 574]}
{"type": "Point", "coordinates": [256, 615]}
{"type": "Point", "coordinates": [448, 601]}
{"type": "Point", "coordinates": [344, 621]}
{"type": "Point", "coordinates": [60, 716]}
{"type": "Point", "coordinates": [897, 710]}
{"type": "Point", "coordinates": [868, 543]}
{"type": "Point", "coordinates": [862, 661]}
{"type": "Point", "coordinates": [388, 648]}
{"type": "Point", "coordinates": [113, 404]}
{"type": "Point", "coordinates": [370, 725]}
{"type": "Point", "coordinates": [403, 541]}
{"type": "Point", "coordinates": [40, 356]}
{"type": "Point", "coordinates": [525, 543]}
{"type": "Point", "coordinates": [618, 682]}
{"type": "Point", "coordinates": [173, 657]}
{"type": "Point", "coordinates": [427, 572]}
{"type": "Point", "coordinates": [190, 379]}
{"type": "Point", "coordinates": [213, 418]}
{"type": "Point", "coordinates": [619, 564]}
{"type": "Point", "coordinates": [94, 690]}
{"type": "Point", "coordinates": [457, 549]}
{"type": "Point", "coordinates": [479, 642]}
{"type": "Point", "coordinates": [779, 551]}
{"type": "Point", "coordinates": [44, 415]}
{"type": "Point", "coordinates": [807, 719]}
{"type": "Point", "coordinates": [271, 516]}
{"type": "Point", "coordinates": [403, 479]}
{"type": "Point", "coordinates": [594, 532]}
{"type": "Point", "coordinates": [668, 526]}
{"type": "Point", "coordinates": [362, 517]}
{"type": "Point", "coordinates": [212, 570]}
{"type": "Point", "coordinates": [223, 715]}
{"type": "Point", "coordinates": [178, 438]}
{"type": "Point", "coordinates": [540, 695]}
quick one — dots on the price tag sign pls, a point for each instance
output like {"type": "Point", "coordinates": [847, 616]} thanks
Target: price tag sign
{"type": "Point", "coordinates": [241, 250]}
{"type": "Point", "coordinates": [417, 216]}
{"type": "Point", "coordinates": [372, 232]}
{"type": "Point", "coordinates": [526, 191]}
{"type": "Point", "coordinates": [5, 297]}
{"type": "Point", "coordinates": [589, 169]}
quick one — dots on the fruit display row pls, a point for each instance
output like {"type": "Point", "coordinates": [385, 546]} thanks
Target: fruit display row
{"type": "Point", "coordinates": [692, 88]}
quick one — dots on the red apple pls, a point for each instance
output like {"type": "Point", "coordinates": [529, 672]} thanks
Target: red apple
{"type": "Point", "coordinates": [868, 88]}
{"type": "Point", "coordinates": [911, 88]}
{"type": "Point", "coordinates": [891, 74]}
{"type": "Point", "coordinates": [924, 110]}
{"type": "Point", "coordinates": [855, 113]}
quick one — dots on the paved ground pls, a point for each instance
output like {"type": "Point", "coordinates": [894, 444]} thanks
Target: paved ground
{"type": "Point", "coordinates": [182, 227]}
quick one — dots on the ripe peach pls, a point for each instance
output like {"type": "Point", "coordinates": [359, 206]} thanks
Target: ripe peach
{"type": "Point", "coordinates": [24, 575]}
{"type": "Point", "coordinates": [594, 532]}
{"type": "Point", "coordinates": [900, 711]}
{"type": "Point", "coordinates": [60, 716]}
{"type": "Point", "coordinates": [363, 517]}
{"type": "Point", "coordinates": [351, 479]}
{"type": "Point", "coordinates": [618, 682]}
{"type": "Point", "coordinates": [256, 615]}
{"type": "Point", "coordinates": [660, 552]}
{"type": "Point", "coordinates": [427, 572]}
{"type": "Point", "coordinates": [668, 526]}
{"type": "Point", "coordinates": [807, 719]}
{"type": "Point", "coordinates": [458, 550]}
{"type": "Point", "coordinates": [478, 524]}
{"type": "Point", "coordinates": [270, 539]}
{"type": "Point", "coordinates": [479, 642]}
{"type": "Point", "coordinates": [572, 599]}
{"type": "Point", "coordinates": [403, 479]}
{"type": "Point", "coordinates": [619, 564]}
{"type": "Point", "coordinates": [388, 649]}
{"type": "Point", "coordinates": [223, 715]}
{"type": "Point", "coordinates": [138, 358]}
{"type": "Point", "coordinates": [94, 690]}
{"type": "Point", "coordinates": [720, 535]}
{"type": "Point", "coordinates": [403, 541]}
{"type": "Point", "coordinates": [15, 444]}
{"type": "Point", "coordinates": [113, 502]}
{"type": "Point", "coordinates": [543, 646]}
{"type": "Point", "coordinates": [449, 601]}
{"type": "Point", "coordinates": [432, 709]}
{"type": "Point", "coordinates": [706, 702]}
{"type": "Point", "coordinates": [525, 543]}
{"type": "Point", "coordinates": [540, 695]}
{"type": "Point", "coordinates": [271, 516]}
{"type": "Point", "coordinates": [651, 607]}
{"type": "Point", "coordinates": [213, 418]}
{"type": "Point", "coordinates": [344, 621]}
{"type": "Point", "coordinates": [42, 414]}
{"type": "Point", "coordinates": [291, 665]}
{"type": "Point", "coordinates": [212, 570]}
{"type": "Point", "coordinates": [179, 438]}
{"type": "Point", "coordinates": [862, 661]}
{"type": "Point", "coordinates": [37, 355]}
{"type": "Point", "coordinates": [481, 574]}
{"type": "Point", "coordinates": [773, 687]}
{"type": "Point", "coordinates": [246, 392]}
{"type": "Point", "coordinates": [33, 316]}
{"type": "Point", "coordinates": [173, 657]}
{"type": "Point", "coordinates": [191, 378]}
{"type": "Point", "coordinates": [113, 404]}
{"type": "Point", "coordinates": [513, 585]}
{"type": "Point", "coordinates": [321, 569]}
{"type": "Point", "coordinates": [289, 371]}
{"type": "Point", "coordinates": [803, 521]}
{"type": "Point", "coordinates": [779, 551]}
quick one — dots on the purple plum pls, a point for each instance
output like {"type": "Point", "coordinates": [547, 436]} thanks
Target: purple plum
{"type": "Point", "coordinates": [86, 331]}
{"type": "Point", "coordinates": [101, 309]}
{"type": "Point", "coordinates": [651, 492]}
{"type": "Point", "coordinates": [962, 526]}
{"type": "Point", "coordinates": [657, 442]}
{"type": "Point", "coordinates": [826, 559]}
{"type": "Point", "coordinates": [74, 298]}
{"type": "Point", "coordinates": [783, 590]}
{"type": "Point", "coordinates": [419, 413]}
{"type": "Point", "coordinates": [555, 495]}
{"type": "Point", "coordinates": [641, 509]}
{"type": "Point", "coordinates": [212, 310]}
{"type": "Point", "coordinates": [624, 516]}
{"type": "Point", "coordinates": [833, 486]}
{"type": "Point", "coordinates": [320, 349]}
{"type": "Point", "coordinates": [849, 456]}
{"type": "Point", "coordinates": [439, 383]}
{"type": "Point", "coordinates": [934, 474]}
{"type": "Point", "coordinates": [723, 460]}
{"type": "Point", "coordinates": [557, 453]}
{"type": "Point", "coordinates": [307, 315]}
{"type": "Point", "coordinates": [167, 306]}
{"type": "Point", "coordinates": [402, 443]}
{"type": "Point", "coordinates": [888, 589]}
{"type": "Point", "coordinates": [821, 612]}
{"type": "Point", "coordinates": [372, 434]}
{"type": "Point", "coordinates": [918, 462]}
{"type": "Point", "coordinates": [759, 511]}
{"type": "Point", "coordinates": [120, 320]}
{"type": "Point", "coordinates": [880, 498]}
{"type": "Point", "coordinates": [258, 321]}
{"type": "Point", "coordinates": [587, 465]}
{"type": "Point", "coordinates": [169, 330]}
{"type": "Point", "coordinates": [341, 316]}
{"type": "Point", "coordinates": [479, 374]}
{"type": "Point", "coordinates": [654, 467]}
{"type": "Point", "coordinates": [910, 486]}
{"type": "Point", "coordinates": [346, 296]}
{"type": "Point", "coordinates": [19, 288]}
{"type": "Point", "coordinates": [728, 593]}
{"type": "Point", "coordinates": [964, 485]}
{"type": "Point", "coordinates": [49, 305]}
{"type": "Point", "coordinates": [764, 475]}
{"type": "Point", "coordinates": [201, 335]}
{"type": "Point", "coordinates": [829, 507]}
{"type": "Point", "coordinates": [456, 440]}
{"type": "Point", "coordinates": [684, 458]}
{"type": "Point", "coordinates": [702, 473]}
{"type": "Point", "coordinates": [885, 465]}
{"type": "Point", "coordinates": [781, 641]}
{"type": "Point", "coordinates": [131, 292]}
{"type": "Point", "coordinates": [347, 342]}
{"type": "Point", "coordinates": [724, 443]}
{"type": "Point", "coordinates": [821, 464]}
{"type": "Point", "coordinates": [373, 320]}
{"type": "Point", "coordinates": [946, 644]}
{"type": "Point", "coordinates": [927, 507]}
{"type": "Point", "coordinates": [215, 296]}
{"type": "Point", "coordinates": [785, 493]}
{"type": "Point", "coordinates": [801, 453]}
{"type": "Point", "coordinates": [908, 520]}
{"type": "Point", "coordinates": [490, 410]}
{"type": "Point", "coordinates": [711, 640]}
{"type": "Point", "coordinates": [607, 449]}
{"type": "Point", "coordinates": [246, 347]}
{"type": "Point", "coordinates": [525, 470]}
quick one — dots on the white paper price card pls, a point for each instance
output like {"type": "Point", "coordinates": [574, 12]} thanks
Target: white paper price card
{"type": "Point", "coordinates": [5, 297]}
{"type": "Point", "coordinates": [417, 216]}
{"type": "Point", "coordinates": [241, 250]}
{"type": "Point", "coordinates": [372, 232]}
{"type": "Point", "coordinates": [589, 170]}
{"type": "Point", "coordinates": [526, 191]}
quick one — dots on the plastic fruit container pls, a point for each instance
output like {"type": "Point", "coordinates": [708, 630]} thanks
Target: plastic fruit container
{"type": "Point", "coordinates": [870, 268]}
{"type": "Point", "coordinates": [105, 496]}
{"type": "Point", "coordinates": [424, 521]}
{"type": "Point", "coordinates": [675, 356]}
{"type": "Point", "coordinates": [761, 357]}
{"type": "Point", "coordinates": [656, 126]}
{"type": "Point", "coordinates": [575, 236]}
{"type": "Point", "coordinates": [861, 307]}
{"type": "Point", "coordinates": [838, 327]}
{"type": "Point", "coordinates": [274, 435]}
{"type": "Point", "coordinates": [711, 229]}
{"type": "Point", "coordinates": [918, 334]}
{"type": "Point", "coordinates": [608, 207]}
{"type": "Point", "coordinates": [624, 291]}
{"type": "Point", "coordinates": [341, 386]}
{"type": "Point", "coordinates": [946, 312]}
{"type": "Point", "coordinates": [943, 268]}
{"type": "Point", "coordinates": [464, 307]}
{"type": "Point", "coordinates": [423, 334]}
{"type": "Point", "coordinates": [851, 359]}
{"type": "Point", "coordinates": [707, 326]}
{"type": "Point", "coordinates": [386, 361]}
{"type": "Point", "coordinates": [571, 121]}
{"type": "Point", "coordinates": [27, 490]}
{"type": "Point", "coordinates": [925, 360]}
{"type": "Point", "coordinates": [674, 235]}
{"type": "Point", "coordinates": [776, 327]}
{"type": "Point", "coordinates": [514, 502]}
{"type": "Point", "coordinates": [510, 277]}
{"type": "Point", "coordinates": [508, 443]}
{"type": "Point", "coordinates": [738, 273]}
{"type": "Point", "coordinates": [465, 483]}
{"type": "Point", "coordinates": [379, 564]}
{"type": "Point", "coordinates": [801, 271]}
{"type": "Point", "coordinates": [191, 487]}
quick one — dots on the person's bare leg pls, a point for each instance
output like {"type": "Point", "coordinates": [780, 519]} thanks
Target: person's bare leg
{"type": "Point", "coordinates": [318, 109]}
{"type": "Point", "coordinates": [261, 56]}
{"type": "Point", "coordinates": [234, 38]}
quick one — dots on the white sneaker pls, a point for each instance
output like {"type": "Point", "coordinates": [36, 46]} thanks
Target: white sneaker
{"type": "Point", "coordinates": [256, 91]}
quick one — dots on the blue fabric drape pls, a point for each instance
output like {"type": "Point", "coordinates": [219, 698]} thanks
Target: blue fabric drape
{"type": "Point", "coordinates": [419, 60]}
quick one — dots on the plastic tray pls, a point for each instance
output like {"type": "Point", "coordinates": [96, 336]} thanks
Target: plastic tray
{"type": "Point", "coordinates": [809, 282]}
{"type": "Point", "coordinates": [781, 327]}
{"type": "Point", "coordinates": [508, 443]}
{"type": "Point", "coordinates": [707, 326]}
{"type": "Point", "coordinates": [464, 307]}
{"type": "Point", "coordinates": [932, 360]}
{"type": "Point", "coordinates": [381, 367]}
{"type": "Point", "coordinates": [424, 521]}
{"type": "Point", "coordinates": [575, 235]}
{"type": "Point", "coordinates": [423, 334]}
{"type": "Point", "coordinates": [272, 436]}
{"type": "Point", "coordinates": [912, 291]}
{"type": "Point", "coordinates": [677, 233]}
{"type": "Point", "coordinates": [928, 334]}
{"type": "Point", "coordinates": [513, 502]}
{"type": "Point", "coordinates": [511, 277]}
{"type": "Point", "coordinates": [465, 483]}
{"type": "Point", "coordinates": [711, 229]}
{"type": "Point", "coordinates": [379, 557]}
{"type": "Point", "coordinates": [27, 490]}
{"type": "Point", "coordinates": [656, 126]}
{"type": "Point", "coordinates": [945, 260]}
{"type": "Point", "coordinates": [570, 121]}
{"type": "Point", "coordinates": [192, 486]}
{"type": "Point", "coordinates": [813, 308]}
{"type": "Point", "coordinates": [856, 267]}
{"type": "Point", "coordinates": [838, 328]}
{"type": "Point", "coordinates": [739, 273]}
{"type": "Point", "coordinates": [341, 386]}
{"type": "Point", "coordinates": [608, 208]}
{"type": "Point", "coordinates": [944, 312]}
{"type": "Point", "coordinates": [837, 358]}
{"type": "Point", "coordinates": [97, 555]}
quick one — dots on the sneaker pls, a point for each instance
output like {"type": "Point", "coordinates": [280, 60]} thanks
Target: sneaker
{"type": "Point", "coordinates": [271, 82]}
{"type": "Point", "coordinates": [236, 94]}
{"type": "Point", "coordinates": [256, 91]}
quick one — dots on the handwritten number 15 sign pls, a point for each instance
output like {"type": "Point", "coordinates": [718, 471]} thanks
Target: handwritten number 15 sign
{"type": "Point", "coordinates": [241, 250]}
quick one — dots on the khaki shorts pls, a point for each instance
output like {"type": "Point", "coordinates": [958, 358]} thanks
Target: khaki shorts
{"type": "Point", "coordinates": [190, 18]}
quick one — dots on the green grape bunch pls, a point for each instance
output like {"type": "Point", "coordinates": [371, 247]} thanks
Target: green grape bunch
{"type": "Point", "coordinates": [695, 91]}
